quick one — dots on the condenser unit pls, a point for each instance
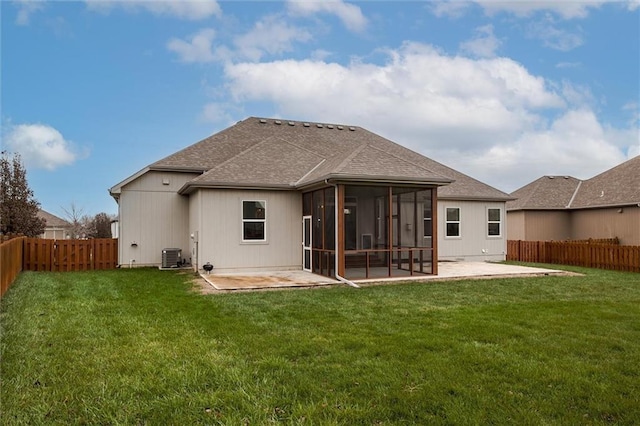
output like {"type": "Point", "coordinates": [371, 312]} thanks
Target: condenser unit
{"type": "Point", "coordinates": [171, 257]}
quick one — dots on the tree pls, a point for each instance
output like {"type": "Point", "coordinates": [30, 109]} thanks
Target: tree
{"type": "Point", "coordinates": [18, 207]}
{"type": "Point", "coordinates": [80, 222]}
{"type": "Point", "coordinates": [85, 226]}
{"type": "Point", "coordinates": [102, 226]}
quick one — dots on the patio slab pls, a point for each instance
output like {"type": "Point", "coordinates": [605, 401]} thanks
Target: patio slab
{"type": "Point", "coordinates": [266, 280]}
{"type": "Point", "coordinates": [446, 271]}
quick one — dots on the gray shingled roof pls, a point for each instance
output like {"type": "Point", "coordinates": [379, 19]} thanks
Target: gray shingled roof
{"type": "Point", "coordinates": [51, 220]}
{"type": "Point", "coordinates": [545, 193]}
{"type": "Point", "coordinates": [618, 186]}
{"type": "Point", "coordinates": [261, 152]}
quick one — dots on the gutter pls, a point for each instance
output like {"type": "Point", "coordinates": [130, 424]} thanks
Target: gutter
{"type": "Point", "coordinates": [335, 230]}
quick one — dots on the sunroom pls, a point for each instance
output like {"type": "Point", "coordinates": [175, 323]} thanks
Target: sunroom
{"type": "Point", "coordinates": [364, 230]}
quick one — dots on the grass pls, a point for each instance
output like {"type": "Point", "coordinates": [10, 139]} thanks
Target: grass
{"type": "Point", "coordinates": [140, 347]}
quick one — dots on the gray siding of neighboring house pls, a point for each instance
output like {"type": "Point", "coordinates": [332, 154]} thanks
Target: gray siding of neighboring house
{"type": "Point", "coordinates": [539, 225]}
{"type": "Point", "coordinates": [219, 225]}
{"type": "Point", "coordinates": [621, 222]}
{"type": "Point", "coordinates": [153, 216]}
{"type": "Point", "coordinates": [473, 239]}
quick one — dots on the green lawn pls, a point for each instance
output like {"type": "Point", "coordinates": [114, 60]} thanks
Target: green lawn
{"type": "Point", "coordinates": [140, 347]}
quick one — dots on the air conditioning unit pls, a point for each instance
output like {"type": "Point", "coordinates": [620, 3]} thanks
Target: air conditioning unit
{"type": "Point", "coordinates": [171, 257]}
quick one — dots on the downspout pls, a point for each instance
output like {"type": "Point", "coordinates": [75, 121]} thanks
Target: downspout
{"type": "Point", "coordinates": [335, 230]}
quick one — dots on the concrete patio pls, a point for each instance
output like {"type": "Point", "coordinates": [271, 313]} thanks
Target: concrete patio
{"type": "Point", "coordinates": [447, 271]}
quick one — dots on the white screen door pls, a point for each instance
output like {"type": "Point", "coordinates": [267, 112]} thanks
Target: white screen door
{"type": "Point", "coordinates": [306, 243]}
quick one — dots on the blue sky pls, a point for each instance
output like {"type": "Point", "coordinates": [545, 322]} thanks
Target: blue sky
{"type": "Point", "coordinates": [506, 92]}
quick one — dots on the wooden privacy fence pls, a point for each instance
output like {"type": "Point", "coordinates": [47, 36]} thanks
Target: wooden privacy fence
{"type": "Point", "coordinates": [70, 255]}
{"type": "Point", "coordinates": [37, 254]}
{"type": "Point", "coordinates": [10, 262]}
{"type": "Point", "coordinates": [591, 254]}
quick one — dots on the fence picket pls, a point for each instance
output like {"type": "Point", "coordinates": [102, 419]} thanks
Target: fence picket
{"type": "Point", "coordinates": [602, 254]}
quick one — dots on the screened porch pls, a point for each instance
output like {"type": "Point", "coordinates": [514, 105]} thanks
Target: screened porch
{"type": "Point", "coordinates": [383, 231]}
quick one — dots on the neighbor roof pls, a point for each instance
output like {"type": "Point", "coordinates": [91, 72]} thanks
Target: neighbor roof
{"type": "Point", "coordinates": [52, 221]}
{"type": "Point", "coordinates": [294, 155]}
{"type": "Point", "coordinates": [545, 193]}
{"type": "Point", "coordinates": [614, 187]}
{"type": "Point", "coordinates": [618, 186]}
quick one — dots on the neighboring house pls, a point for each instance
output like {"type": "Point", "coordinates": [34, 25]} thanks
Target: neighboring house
{"type": "Point", "coordinates": [55, 228]}
{"type": "Point", "coordinates": [566, 208]}
{"type": "Point", "coordinates": [267, 194]}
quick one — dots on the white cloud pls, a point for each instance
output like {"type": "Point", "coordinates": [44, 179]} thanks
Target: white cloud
{"type": "Point", "coordinates": [504, 126]}
{"type": "Point", "coordinates": [450, 8]}
{"type": "Point", "coordinates": [197, 49]}
{"type": "Point", "coordinates": [574, 144]}
{"type": "Point", "coordinates": [568, 65]}
{"type": "Point", "coordinates": [417, 93]}
{"type": "Point", "coordinates": [570, 9]}
{"type": "Point", "coordinates": [565, 9]}
{"type": "Point", "coordinates": [553, 36]}
{"type": "Point", "coordinates": [270, 35]}
{"type": "Point", "coordinates": [41, 146]}
{"type": "Point", "coordinates": [483, 45]}
{"type": "Point", "coordinates": [350, 15]}
{"type": "Point", "coordinates": [189, 9]}
{"type": "Point", "coordinates": [217, 112]}
{"type": "Point", "coordinates": [26, 8]}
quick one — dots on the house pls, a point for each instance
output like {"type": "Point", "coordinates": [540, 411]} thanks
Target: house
{"type": "Point", "coordinates": [566, 208]}
{"type": "Point", "coordinates": [333, 199]}
{"type": "Point", "coordinates": [55, 227]}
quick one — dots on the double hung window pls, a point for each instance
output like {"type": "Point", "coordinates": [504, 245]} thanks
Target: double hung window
{"type": "Point", "coordinates": [254, 221]}
{"type": "Point", "coordinates": [494, 222]}
{"type": "Point", "coordinates": [452, 223]}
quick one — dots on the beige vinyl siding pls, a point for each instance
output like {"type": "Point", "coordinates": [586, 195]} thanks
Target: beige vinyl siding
{"type": "Point", "coordinates": [221, 230]}
{"type": "Point", "coordinates": [153, 216]}
{"type": "Point", "coordinates": [55, 234]}
{"type": "Point", "coordinates": [546, 225]}
{"type": "Point", "coordinates": [515, 225]}
{"type": "Point", "coordinates": [473, 232]}
{"type": "Point", "coordinates": [621, 222]}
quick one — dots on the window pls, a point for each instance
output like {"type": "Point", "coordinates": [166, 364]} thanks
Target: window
{"type": "Point", "coordinates": [452, 223]}
{"type": "Point", "coordinates": [493, 222]}
{"type": "Point", "coordinates": [426, 218]}
{"type": "Point", "coordinates": [254, 220]}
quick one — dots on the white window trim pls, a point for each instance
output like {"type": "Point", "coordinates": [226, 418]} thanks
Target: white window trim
{"type": "Point", "coordinates": [500, 222]}
{"type": "Point", "coordinates": [424, 220]}
{"type": "Point", "coordinates": [243, 220]}
{"type": "Point", "coordinates": [459, 222]}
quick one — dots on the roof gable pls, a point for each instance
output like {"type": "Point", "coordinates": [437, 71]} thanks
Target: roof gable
{"type": "Point", "coordinates": [545, 193]}
{"type": "Point", "coordinates": [272, 162]}
{"type": "Point", "coordinates": [52, 221]}
{"type": "Point", "coordinates": [617, 186]}
{"type": "Point", "coordinates": [288, 154]}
